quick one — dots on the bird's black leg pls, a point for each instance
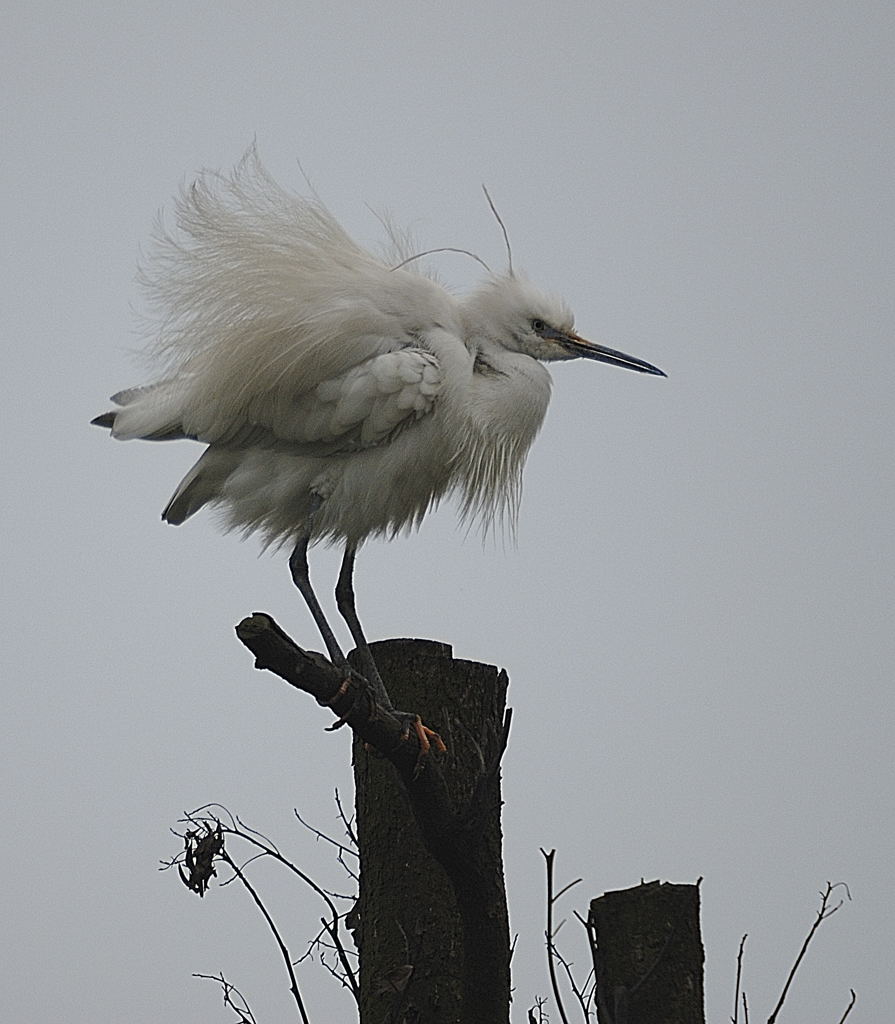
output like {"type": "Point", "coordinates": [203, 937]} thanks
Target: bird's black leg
{"type": "Point", "coordinates": [348, 611]}
{"type": "Point", "coordinates": [298, 566]}
{"type": "Point", "coordinates": [426, 737]}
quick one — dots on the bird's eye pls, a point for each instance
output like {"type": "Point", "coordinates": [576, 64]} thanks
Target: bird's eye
{"type": "Point", "coordinates": [538, 326]}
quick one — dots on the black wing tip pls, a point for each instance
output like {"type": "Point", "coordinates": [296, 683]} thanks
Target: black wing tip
{"type": "Point", "coordinates": [107, 420]}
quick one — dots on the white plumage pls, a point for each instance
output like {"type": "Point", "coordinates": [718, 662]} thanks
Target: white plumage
{"type": "Point", "coordinates": [339, 398]}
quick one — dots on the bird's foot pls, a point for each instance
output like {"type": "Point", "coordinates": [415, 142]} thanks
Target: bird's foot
{"type": "Point", "coordinates": [426, 738]}
{"type": "Point", "coordinates": [343, 717]}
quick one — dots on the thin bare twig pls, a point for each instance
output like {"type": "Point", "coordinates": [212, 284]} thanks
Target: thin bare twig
{"type": "Point", "coordinates": [312, 945]}
{"type": "Point", "coordinates": [244, 1011]}
{"type": "Point", "coordinates": [244, 865]}
{"type": "Point", "coordinates": [273, 852]}
{"type": "Point", "coordinates": [346, 821]}
{"type": "Point", "coordinates": [318, 943]}
{"type": "Point", "coordinates": [581, 994]}
{"type": "Point", "coordinates": [590, 929]}
{"type": "Point", "coordinates": [333, 931]}
{"type": "Point", "coordinates": [823, 913]}
{"type": "Point", "coordinates": [322, 835]}
{"type": "Point", "coordinates": [539, 1006]}
{"type": "Point", "coordinates": [736, 995]}
{"type": "Point", "coordinates": [203, 818]}
{"type": "Point", "coordinates": [287, 960]}
{"type": "Point", "coordinates": [566, 888]}
{"type": "Point", "coordinates": [260, 835]}
{"type": "Point", "coordinates": [331, 927]}
{"type": "Point", "coordinates": [353, 875]}
{"type": "Point", "coordinates": [848, 1008]}
{"type": "Point", "coordinates": [549, 935]}
{"type": "Point", "coordinates": [199, 813]}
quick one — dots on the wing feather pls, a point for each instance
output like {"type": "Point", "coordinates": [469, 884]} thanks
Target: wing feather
{"type": "Point", "coordinates": [271, 314]}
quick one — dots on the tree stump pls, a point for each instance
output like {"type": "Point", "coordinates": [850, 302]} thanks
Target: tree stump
{"type": "Point", "coordinates": [648, 955]}
{"type": "Point", "coordinates": [431, 921]}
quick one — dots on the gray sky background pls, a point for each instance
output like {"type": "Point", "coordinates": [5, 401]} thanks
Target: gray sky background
{"type": "Point", "coordinates": [697, 618]}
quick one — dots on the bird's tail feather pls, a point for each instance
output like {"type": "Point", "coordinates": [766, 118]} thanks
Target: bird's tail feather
{"type": "Point", "coordinates": [151, 413]}
{"type": "Point", "coordinates": [201, 485]}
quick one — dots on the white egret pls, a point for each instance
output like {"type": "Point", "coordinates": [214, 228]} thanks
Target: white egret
{"type": "Point", "coordinates": [339, 396]}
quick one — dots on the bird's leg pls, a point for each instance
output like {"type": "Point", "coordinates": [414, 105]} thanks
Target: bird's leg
{"type": "Point", "coordinates": [345, 602]}
{"type": "Point", "coordinates": [348, 611]}
{"type": "Point", "coordinates": [298, 566]}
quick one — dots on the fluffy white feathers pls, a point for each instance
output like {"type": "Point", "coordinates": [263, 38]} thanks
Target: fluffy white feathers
{"type": "Point", "coordinates": [313, 370]}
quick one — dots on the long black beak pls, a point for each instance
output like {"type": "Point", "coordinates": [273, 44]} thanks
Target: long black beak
{"type": "Point", "coordinates": [579, 346]}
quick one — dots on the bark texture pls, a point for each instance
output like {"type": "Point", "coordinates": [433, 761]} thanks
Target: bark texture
{"type": "Point", "coordinates": [432, 894]}
{"type": "Point", "coordinates": [648, 955]}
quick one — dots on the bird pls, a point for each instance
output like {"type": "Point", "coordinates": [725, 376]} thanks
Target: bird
{"type": "Point", "coordinates": [340, 395]}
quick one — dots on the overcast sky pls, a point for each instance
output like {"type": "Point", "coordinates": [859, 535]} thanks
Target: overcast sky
{"type": "Point", "coordinates": [697, 617]}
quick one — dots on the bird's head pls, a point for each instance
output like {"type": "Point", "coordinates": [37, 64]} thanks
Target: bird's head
{"type": "Point", "coordinates": [513, 313]}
